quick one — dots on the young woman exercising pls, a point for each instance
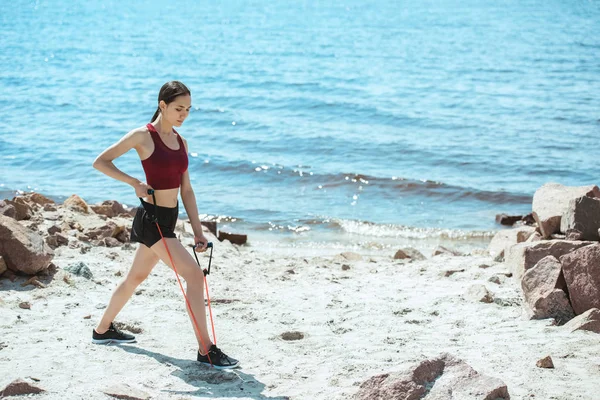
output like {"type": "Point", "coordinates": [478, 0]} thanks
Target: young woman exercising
{"type": "Point", "coordinates": [163, 153]}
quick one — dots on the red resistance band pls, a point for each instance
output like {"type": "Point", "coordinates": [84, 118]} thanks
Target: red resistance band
{"type": "Point", "coordinates": [205, 271]}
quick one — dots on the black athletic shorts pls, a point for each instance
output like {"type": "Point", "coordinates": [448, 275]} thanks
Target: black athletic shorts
{"type": "Point", "coordinates": [145, 231]}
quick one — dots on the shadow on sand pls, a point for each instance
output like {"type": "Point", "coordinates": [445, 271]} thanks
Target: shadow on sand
{"type": "Point", "coordinates": [209, 381]}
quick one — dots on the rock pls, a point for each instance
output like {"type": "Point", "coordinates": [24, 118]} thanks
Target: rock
{"type": "Point", "coordinates": [7, 209]}
{"type": "Point", "coordinates": [20, 387]}
{"type": "Point", "coordinates": [443, 250]}
{"type": "Point", "coordinates": [451, 272]}
{"type": "Point", "coordinates": [80, 269]}
{"type": "Point", "coordinates": [38, 199]}
{"type": "Point", "coordinates": [536, 237]}
{"type": "Point", "coordinates": [583, 215]}
{"type": "Point", "coordinates": [23, 250]}
{"type": "Point", "coordinates": [233, 237]}
{"type": "Point", "coordinates": [77, 204]}
{"type": "Point", "coordinates": [495, 279]}
{"type": "Point", "coordinates": [54, 229]}
{"type": "Point", "coordinates": [345, 267]}
{"type": "Point", "coordinates": [551, 201]}
{"type": "Point", "coordinates": [453, 379]}
{"type": "Point", "coordinates": [545, 362]}
{"type": "Point", "coordinates": [350, 256]}
{"type": "Point", "coordinates": [109, 208]}
{"type": "Point", "coordinates": [111, 242]}
{"type": "Point", "coordinates": [49, 207]}
{"type": "Point", "coordinates": [507, 220]}
{"type": "Point", "coordinates": [544, 291]}
{"type": "Point", "coordinates": [582, 274]}
{"type": "Point", "coordinates": [573, 235]}
{"type": "Point", "coordinates": [480, 293]}
{"type": "Point", "coordinates": [409, 252]}
{"type": "Point", "coordinates": [23, 211]}
{"type": "Point", "coordinates": [588, 321]}
{"type": "Point", "coordinates": [507, 238]}
{"type": "Point", "coordinates": [103, 231]}
{"type": "Point", "coordinates": [25, 305]}
{"type": "Point", "coordinates": [211, 225]}
{"type": "Point", "coordinates": [524, 256]}
{"type": "Point", "coordinates": [125, 392]}
{"type": "Point", "coordinates": [61, 239]}
{"type": "Point", "coordinates": [3, 266]}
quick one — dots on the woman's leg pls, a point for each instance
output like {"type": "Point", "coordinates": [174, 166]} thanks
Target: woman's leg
{"type": "Point", "coordinates": [143, 262]}
{"type": "Point", "coordinates": [194, 278]}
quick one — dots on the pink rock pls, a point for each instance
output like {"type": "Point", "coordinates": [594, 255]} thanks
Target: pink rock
{"type": "Point", "coordinates": [508, 237]}
{"type": "Point", "coordinates": [582, 274]}
{"type": "Point", "coordinates": [23, 249]}
{"type": "Point", "coordinates": [523, 256]}
{"type": "Point", "coordinates": [582, 216]}
{"type": "Point", "coordinates": [588, 321]}
{"type": "Point", "coordinates": [434, 379]}
{"type": "Point", "coordinates": [543, 288]}
{"type": "Point", "coordinates": [551, 201]}
{"type": "Point", "coordinates": [38, 199]}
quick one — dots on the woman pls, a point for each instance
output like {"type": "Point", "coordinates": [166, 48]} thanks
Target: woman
{"type": "Point", "coordinates": [163, 153]}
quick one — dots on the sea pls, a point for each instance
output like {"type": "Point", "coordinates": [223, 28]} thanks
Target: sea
{"type": "Point", "coordinates": [338, 124]}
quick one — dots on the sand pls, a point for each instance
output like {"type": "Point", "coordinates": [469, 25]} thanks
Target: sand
{"type": "Point", "coordinates": [355, 319]}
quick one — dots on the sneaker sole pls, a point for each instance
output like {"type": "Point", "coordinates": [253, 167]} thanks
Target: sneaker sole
{"type": "Point", "coordinates": [220, 367]}
{"type": "Point", "coordinates": [106, 341]}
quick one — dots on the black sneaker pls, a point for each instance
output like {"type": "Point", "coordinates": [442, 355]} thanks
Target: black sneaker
{"type": "Point", "coordinates": [112, 335]}
{"type": "Point", "coordinates": [219, 359]}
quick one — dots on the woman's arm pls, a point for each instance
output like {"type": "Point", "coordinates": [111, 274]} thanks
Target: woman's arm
{"type": "Point", "coordinates": [104, 162]}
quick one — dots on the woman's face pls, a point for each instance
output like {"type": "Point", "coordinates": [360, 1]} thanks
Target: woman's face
{"type": "Point", "coordinates": [178, 110]}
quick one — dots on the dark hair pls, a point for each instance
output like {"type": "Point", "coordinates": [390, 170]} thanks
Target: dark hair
{"type": "Point", "coordinates": [168, 92]}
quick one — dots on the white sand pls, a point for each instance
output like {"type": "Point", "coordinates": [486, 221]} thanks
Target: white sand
{"type": "Point", "coordinates": [379, 316]}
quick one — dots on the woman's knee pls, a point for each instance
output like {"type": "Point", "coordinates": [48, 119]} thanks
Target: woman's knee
{"type": "Point", "coordinates": [193, 274]}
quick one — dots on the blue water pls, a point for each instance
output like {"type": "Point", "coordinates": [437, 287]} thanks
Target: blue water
{"type": "Point", "coordinates": [382, 118]}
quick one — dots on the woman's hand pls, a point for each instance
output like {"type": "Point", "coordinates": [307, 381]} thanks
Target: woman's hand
{"type": "Point", "coordinates": [201, 242]}
{"type": "Point", "coordinates": [141, 189]}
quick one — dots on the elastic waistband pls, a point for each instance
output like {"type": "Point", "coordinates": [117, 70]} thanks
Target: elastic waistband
{"type": "Point", "coordinates": [151, 207]}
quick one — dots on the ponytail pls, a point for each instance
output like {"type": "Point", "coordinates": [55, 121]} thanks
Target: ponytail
{"type": "Point", "coordinates": [156, 113]}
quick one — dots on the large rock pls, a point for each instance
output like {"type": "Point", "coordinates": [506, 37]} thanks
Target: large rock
{"type": "Point", "coordinates": [23, 211]}
{"type": "Point", "coordinates": [551, 201]}
{"type": "Point", "coordinates": [507, 238]}
{"type": "Point", "coordinates": [543, 289]}
{"type": "Point", "coordinates": [110, 208]}
{"type": "Point", "coordinates": [20, 387]}
{"type": "Point", "coordinates": [582, 274]}
{"type": "Point", "coordinates": [3, 266]}
{"type": "Point", "coordinates": [523, 256]}
{"type": "Point", "coordinates": [8, 209]}
{"type": "Point", "coordinates": [38, 199]}
{"type": "Point", "coordinates": [582, 215]}
{"type": "Point", "coordinates": [23, 249]}
{"type": "Point", "coordinates": [440, 378]}
{"type": "Point", "coordinates": [234, 238]}
{"type": "Point", "coordinates": [76, 203]}
{"type": "Point", "coordinates": [588, 321]}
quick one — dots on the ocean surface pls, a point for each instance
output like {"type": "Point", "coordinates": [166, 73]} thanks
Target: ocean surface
{"type": "Point", "coordinates": [345, 121]}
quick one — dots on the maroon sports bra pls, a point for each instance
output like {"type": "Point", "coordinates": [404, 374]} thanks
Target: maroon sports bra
{"type": "Point", "coordinates": [165, 166]}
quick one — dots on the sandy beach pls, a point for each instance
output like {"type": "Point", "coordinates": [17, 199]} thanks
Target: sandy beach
{"type": "Point", "coordinates": [304, 326]}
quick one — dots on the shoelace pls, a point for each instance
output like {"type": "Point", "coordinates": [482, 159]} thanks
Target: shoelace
{"type": "Point", "coordinates": [219, 355]}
